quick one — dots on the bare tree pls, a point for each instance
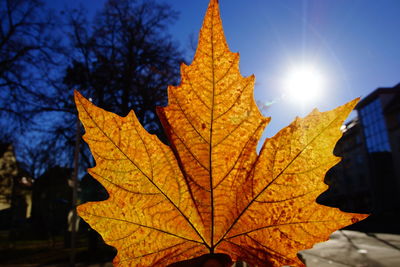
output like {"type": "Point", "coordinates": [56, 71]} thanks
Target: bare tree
{"type": "Point", "coordinates": [123, 59]}
{"type": "Point", "coordinates": [126, 59]}
{"type": "Point", "coordinates": [27, 53]}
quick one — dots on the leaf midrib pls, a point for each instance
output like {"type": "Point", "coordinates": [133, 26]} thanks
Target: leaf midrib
{"type": "Point", "coordinates": [145, 175]}
{"type": "Point", "coordinates": [272, 181]}
{"type": "Point", "coordinates": [211, 132]}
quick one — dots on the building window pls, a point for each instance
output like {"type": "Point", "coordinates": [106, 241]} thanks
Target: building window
{"type": "Point", "coordinates": [376, 135]}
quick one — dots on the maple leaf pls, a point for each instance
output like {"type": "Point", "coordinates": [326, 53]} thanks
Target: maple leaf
{"type": "Point", "coordinates": [209, 191]}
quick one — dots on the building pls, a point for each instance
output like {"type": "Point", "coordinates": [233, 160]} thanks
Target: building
{"type": "Point", "coordinates": [368, 177]}
{"type": "Point", "coordinates": [8, 173]}
{"type": "Point", "coordinates": [380, 120]}
{"type": "Point", "coordinates": [15, 189]}
{"type": "Point", "coordinates": [349, 181]}
{"type": "Point", "coordinates": [392, 118]}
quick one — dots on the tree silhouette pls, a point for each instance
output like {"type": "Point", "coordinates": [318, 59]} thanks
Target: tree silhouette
{"type": "Point", "coordinates": [126, 59]}
{"type": "Point", "coordinates": [28, 44]}
{"type": "Point", "coordinates": [122, 59]}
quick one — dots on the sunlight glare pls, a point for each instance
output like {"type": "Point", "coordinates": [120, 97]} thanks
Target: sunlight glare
{"type": "Point", "coordinates": [303, 84]}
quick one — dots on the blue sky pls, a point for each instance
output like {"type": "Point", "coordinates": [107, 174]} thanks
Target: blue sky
{"type": "Point", "coordinates": [354, 44]}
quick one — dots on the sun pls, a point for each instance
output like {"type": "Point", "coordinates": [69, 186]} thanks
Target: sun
{"type": "Point", "coordinates": [303, 84]}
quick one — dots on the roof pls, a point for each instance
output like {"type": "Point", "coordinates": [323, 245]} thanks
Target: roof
{"type": "Point", "coordinates": [393, 105]}
{"type": "Point", "coordinates": [375, 94]}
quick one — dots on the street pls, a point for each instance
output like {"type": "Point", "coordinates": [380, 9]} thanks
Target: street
{"type": "Point", "coordinates": [351, 248]}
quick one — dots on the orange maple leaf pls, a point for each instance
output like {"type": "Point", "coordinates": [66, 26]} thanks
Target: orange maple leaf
{"type": "Point", "coordinates": [209, 191]}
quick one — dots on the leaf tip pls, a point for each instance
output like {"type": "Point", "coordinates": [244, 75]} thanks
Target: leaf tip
{"type": "Point", "coordinates": [354, 102]}
{"type": "Point", "coordinates": [214, 1]}
{"type": "Point", "coordinates": [349, 106]}
{"type": "Point", "coordinates": [77, 95]}
{"type": "Point", "coordinates": [79, 98]}
{"type": "Point", "coordinates": [359, 217]}
{"type": "Point", "coordinates": [80, 209]}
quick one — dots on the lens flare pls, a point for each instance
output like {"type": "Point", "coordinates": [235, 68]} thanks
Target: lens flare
{"type": "Point", "coordinates": [304, 84]}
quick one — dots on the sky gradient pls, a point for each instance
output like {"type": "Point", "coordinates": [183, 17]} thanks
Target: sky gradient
{"type": "Point", "coordinates": [355, 44]}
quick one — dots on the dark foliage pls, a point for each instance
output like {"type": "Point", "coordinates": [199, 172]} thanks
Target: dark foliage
{"type": "Point", "coordinates": [122, 59]}
{"type": "Point", "coordinates": [125, 59]}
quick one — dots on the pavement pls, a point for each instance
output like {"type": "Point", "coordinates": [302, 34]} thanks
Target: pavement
{"type": "Point", "coordinates": [344, 248]}
{"type": "Point", "coordinates": [356, 249]}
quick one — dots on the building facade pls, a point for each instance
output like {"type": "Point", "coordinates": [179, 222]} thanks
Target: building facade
{"type": "Point", "coordinates": [378, 114]}
{"type": "Point", "coordinates": [349, 181]}
{"type": "Point", "coordinates": [368, 177]}
{"type": "Point", "coordinates": [8, 174]}
{"type": "Point", "coordinates": [15, 189]}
